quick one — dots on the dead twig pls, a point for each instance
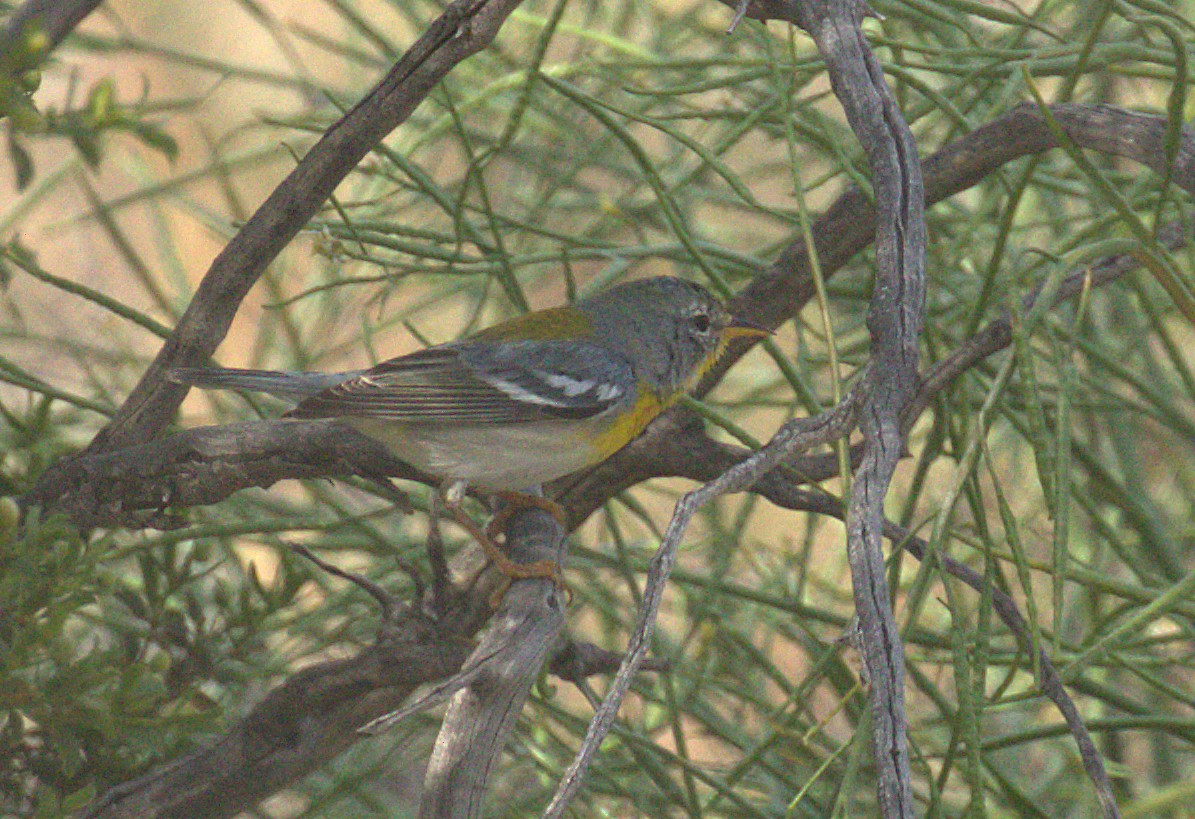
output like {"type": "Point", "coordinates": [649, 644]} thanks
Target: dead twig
{"type": "Point", "coordinates": [795, 436]}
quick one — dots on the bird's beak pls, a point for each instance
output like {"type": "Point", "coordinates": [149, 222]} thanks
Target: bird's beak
{"type": "Point", "coordinates": [744, 328]}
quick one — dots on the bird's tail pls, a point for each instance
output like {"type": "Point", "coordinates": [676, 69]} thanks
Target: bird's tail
{"type": "Point", "coordinates": [290, 386]}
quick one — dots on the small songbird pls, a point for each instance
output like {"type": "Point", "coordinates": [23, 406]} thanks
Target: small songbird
{"type": "Point", "coordinates": [526, 401]}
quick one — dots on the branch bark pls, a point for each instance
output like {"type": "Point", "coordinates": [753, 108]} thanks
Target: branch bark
{"type": "Point", "coordinates": [497, 678]}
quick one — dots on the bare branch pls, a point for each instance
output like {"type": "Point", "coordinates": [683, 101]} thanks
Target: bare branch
{"type": "Point", "coordinates": [144, 486]}
{"type": "Point", "coordinates": [895, 320]}
{"type": "Point", "coordinates": [497, 677]}
{"type": "Point", "coordinates": [793, 437]}
{"type": "Point", "coordinates": [465, 27]}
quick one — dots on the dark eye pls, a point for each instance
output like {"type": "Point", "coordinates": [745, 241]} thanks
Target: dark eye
{"type": "Point", "coordinates": [701, 322]}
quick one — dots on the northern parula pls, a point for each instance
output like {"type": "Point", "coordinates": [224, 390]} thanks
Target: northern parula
{"type": "Point", "coordinates": [526, 401]}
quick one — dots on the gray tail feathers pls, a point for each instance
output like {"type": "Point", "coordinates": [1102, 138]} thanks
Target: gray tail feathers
{"type": "Point", "coordinates": [290, 386]}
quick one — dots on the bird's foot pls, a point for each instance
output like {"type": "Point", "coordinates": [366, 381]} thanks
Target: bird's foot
{"type": "Point", "coordinates": [486, 538]}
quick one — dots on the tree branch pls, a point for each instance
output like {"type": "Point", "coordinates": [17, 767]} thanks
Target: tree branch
{"type": "Point", "coordinates": [307, 721]}
{"type": "Point", "coordinates": [465, 27]}
{"type": "Point", "coordinates": [497, 678]}
{"type": "Point", "coordinates": [780, 292]}
{"type": "Point", "coordinates": [895, 320]}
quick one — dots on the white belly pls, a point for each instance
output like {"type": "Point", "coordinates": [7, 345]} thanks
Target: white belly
{"type": "Point", "coordinates": [507, 458]}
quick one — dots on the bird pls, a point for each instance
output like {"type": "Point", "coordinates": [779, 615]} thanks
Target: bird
{"type": "Point", "coordinates": [526, 401]}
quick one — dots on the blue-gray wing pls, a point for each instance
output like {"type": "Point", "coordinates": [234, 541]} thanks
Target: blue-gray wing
{"type": "Point", "coordinates": [482, 382]}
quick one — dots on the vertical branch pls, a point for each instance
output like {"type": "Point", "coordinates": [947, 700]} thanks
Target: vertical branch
{"type": "Point", "coordinates": [895, 320]}
{"type": "Point", "coordinates": [497, 678]}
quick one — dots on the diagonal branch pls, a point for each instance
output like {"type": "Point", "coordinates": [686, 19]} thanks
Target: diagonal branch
{"type": "Point", "coordinates": [482, 713]}
{"type": "Point", "coordinates": [780, 292]}
{"type": "Point", "coordinates": [464, 28]}
{"type": "Point", "coordinates": [795, 436]}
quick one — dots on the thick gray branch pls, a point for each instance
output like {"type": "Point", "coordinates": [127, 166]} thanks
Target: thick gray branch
{"type": "Point", "coordinates": [146, 485]}
{"type": "Point", "coordinates": [481, 715]}
{"type": "Point", "coordinates": [894, 319]}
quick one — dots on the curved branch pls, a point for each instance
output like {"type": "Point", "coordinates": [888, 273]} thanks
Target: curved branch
{"type": "Point", "coordinates": [894, 319]}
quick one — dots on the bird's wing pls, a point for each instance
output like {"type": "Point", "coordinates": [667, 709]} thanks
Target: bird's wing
{"type": "Point", "coordinates": [481, 382]}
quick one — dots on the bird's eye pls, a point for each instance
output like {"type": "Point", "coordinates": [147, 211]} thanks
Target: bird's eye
{"type": "Point", "coordinates": [701, 322]}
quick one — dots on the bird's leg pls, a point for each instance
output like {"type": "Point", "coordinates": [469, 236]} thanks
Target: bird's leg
{"type": "Point", "coordinates": [453, 498]}
{"type": "Point", "coordinates": [515, 502]}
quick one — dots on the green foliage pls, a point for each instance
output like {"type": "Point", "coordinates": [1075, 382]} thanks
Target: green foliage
{"type": "Point", "coordinates": [115, 654]}
{"type": "Point", "coordinates": [592, 141]}
{"type": "Point", "coordinates": [20, 77]}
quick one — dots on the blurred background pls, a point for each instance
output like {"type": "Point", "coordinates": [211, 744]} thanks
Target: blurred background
{"type": "Point", "coordinates": [595, 142]}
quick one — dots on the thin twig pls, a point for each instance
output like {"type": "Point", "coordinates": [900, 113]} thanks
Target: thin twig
{"type": "Point", "coordinates": [385, 600]}
{"type": "Point", "coordinates": [795, 436]}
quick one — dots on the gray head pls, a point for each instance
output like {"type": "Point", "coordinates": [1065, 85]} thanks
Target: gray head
{"type": "Point", "coordinates": [672, 330]}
